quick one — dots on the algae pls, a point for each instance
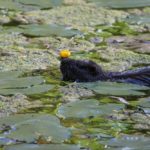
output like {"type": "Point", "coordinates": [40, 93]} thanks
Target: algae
{"type": "Point", "coordinates": [107, 38]}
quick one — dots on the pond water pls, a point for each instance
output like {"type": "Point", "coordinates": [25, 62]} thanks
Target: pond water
{"type": "Point", "coordinates": [39, 111]}
{"type": "Point", "coordinates": [95, 121]}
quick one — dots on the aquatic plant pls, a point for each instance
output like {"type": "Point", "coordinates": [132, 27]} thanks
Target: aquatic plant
{"type": "Point", "coordinates": [11, 83]}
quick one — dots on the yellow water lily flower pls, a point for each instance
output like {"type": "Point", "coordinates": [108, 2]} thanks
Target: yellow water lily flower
{"type": "Point", "coordinates": [65, 53]}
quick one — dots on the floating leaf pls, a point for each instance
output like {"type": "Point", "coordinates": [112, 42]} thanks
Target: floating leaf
{"type": "Point", "coordinates": [10, 84]}
{"type": "Point", "coordinates": [41, 3]}
{"type": "Point", "coordinates": [36, 30]}
{"type": "Point", "coordinates": [119, 4]}
{"type": "Point", "coordinates": [134, 19]}
{"type": "Point", "coordinates": [86, 108]}
{"type": "Point", "coordinates": [129, 142]}
{"type": "Point", "coordinates": [36, 89]}
{"type": "Point", "coordinates": [113, 88]}
{"type": "Point", "coordinates": [30, 127]}
{"type": "Point", "coordinates": [13, 5]}
{"type": "Point", "coordinates": [144, 102]}
{"type": "Point", "coordinates": [8, 4]}
{"type": "Point", "coordinates": [21, 82]}
{"type": "Point", "coordinates": [9, 74]}
{"type": "Point", "coordinates": [44, 30]}
{"type": "Point", "coordinates": [25, 5]}
{"type": "Point", "coordinates": [11, 29]}
{"type": "Point", "coordinates": [42, 147]}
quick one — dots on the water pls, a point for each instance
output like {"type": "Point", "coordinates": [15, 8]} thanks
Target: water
{"type": "Point", "coordinates": [69, 115]}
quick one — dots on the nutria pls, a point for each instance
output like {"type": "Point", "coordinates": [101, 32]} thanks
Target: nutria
{"type": "Point", "coordinates": [89, 71]}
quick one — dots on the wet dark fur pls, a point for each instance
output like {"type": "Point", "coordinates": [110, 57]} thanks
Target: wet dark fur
{"type": "Point", "coordinates": [89, 71]}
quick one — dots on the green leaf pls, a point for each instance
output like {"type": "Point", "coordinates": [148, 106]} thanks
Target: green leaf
{"type": "Point", "coordinates": [10, 84]}
{"type": "Point", "coordinates": [9, 74]}
{"type": "Point", "coordinates": [144, 102]}
{"type": "Point", "coordinates": [8, 4]}
{"type": "Point", "coordinates": [30, 127]}
{"type": "Point", "coordinates": [25, 5]}
{"type": "Point", "coordinates": [21, 82]}
{"type": "Point", "coordinates": [113, 88]}
{"type": "Point", "coordinates": [134, 19]}
{"type": "Point", "coordinates": [44, 30]}
{"type": "Point", "coordinates": [36, 30]}
{"type": "Point", "coordinates": [41, 3]}
{"type": "Point", "coordinates": [135, 142]}
{"type": "Point", "coordinates": [86, 108]}
{"type": "Point", "coordinates": [119, 4]}
{"type": "Point", "coordinates": [36, 89]}
{"type": "Point", "coordinates": [42, 147]}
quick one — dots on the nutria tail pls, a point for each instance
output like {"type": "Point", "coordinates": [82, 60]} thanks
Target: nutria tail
{"type": "Point", "coordinates": [139, 76]}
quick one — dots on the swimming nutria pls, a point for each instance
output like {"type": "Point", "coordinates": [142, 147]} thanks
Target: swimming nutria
{"type": "Point", "coordinates": [89, 71]}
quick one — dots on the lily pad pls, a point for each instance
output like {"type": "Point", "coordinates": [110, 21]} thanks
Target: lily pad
{"type": "Point", "coordinates": [25, 5]}
{"type": "Point", "coordinates": [8, 4]}
{"type": "Point", "coordinates": [36, 89]}
{"type": "Point", "coordinates": [11, 30]}
{"type": "Point", "coordinates": [11, 84]}
{"type": "Point", "coordinates": [42, 147]}
{"type": "Point", "coordinates": [30, 127]}
{"type": "Point", "coordinates": [134, 19]}
{"type": "Point", "coordinates": [86, 108]}
{"type": "Point", "coordinates": [129, 142]}
{"type": "Point", "coordinates": [9, 74]}
{"type": "Point", "coordinates": [15, 6]}
{"type": "Point", "coordinates": [120, 4]}
{"type": "Point", "coordinates": [45, 30]}
{"type": "Point", "coordinates": [21, 82]}
{"type": "Point", "coordinates": [41, 3]}
{"type": "Point", "coordinates": [144, 102]}
{"type": "Point", "coordinates": [113, 88]}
